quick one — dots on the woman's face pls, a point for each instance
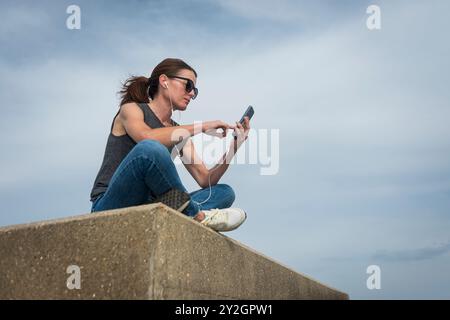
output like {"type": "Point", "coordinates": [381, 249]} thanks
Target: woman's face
{"type": "Point", "coordinates": [177, 89]}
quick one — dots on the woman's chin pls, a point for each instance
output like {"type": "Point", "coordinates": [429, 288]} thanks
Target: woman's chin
{"type": "Point", "coordinates": [182, 107]}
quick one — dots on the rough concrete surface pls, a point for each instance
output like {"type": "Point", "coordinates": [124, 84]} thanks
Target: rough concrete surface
{"type": "Point", "coordinates": [143, 252]}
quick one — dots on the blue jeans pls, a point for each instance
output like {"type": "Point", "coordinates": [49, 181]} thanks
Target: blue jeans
{"type": "Point", "coordinates": [147, 172]}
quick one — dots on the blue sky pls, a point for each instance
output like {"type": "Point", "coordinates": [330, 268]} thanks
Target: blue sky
{"type": "Point", "coordinates": [364, 174]}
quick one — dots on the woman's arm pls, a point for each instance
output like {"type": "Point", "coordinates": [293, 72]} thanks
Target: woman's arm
{"type": "Point", "coordinates": [197, 168]}
{"type": "Point", "coordinates": [132, 119]}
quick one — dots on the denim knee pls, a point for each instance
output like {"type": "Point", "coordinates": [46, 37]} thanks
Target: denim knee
{"type": "Point", "coordinates": [154, 148]}
{"type": "Point", "coordinates": [228, 194]}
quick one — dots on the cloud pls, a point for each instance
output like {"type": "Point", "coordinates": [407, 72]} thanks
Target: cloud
{"type": "Point", "coordinates": [364, 138]}
{"type": "Point", "coordinates": [419, 254]}
{"type": "Point", "coordinates": [299, 12]}
{"type": "Point", "coordinates": [18, 19]}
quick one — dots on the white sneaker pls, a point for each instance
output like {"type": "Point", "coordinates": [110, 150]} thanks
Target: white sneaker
{"type": "Point", "coordinates": [224, 219]}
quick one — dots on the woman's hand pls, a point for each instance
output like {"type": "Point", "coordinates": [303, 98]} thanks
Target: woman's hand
{"type": "Point", "coordinates": [241, 131]}
{"type": "Point", "coordinates": [210, 128]}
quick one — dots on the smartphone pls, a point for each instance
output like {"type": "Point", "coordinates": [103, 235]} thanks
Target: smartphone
{"type": "Point", "coordinates": [248, 113]}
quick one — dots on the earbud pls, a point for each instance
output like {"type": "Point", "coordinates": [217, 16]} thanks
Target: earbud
{"type": "Point", "coordinates": [167, 86]}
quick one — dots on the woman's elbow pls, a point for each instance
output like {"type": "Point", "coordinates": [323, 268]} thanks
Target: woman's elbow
{"type": "Point", "coordinates": [204, 182]}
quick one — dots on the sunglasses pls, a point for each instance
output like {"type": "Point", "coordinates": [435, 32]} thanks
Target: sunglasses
{"type": "Point", "coordinates": [189, 86]}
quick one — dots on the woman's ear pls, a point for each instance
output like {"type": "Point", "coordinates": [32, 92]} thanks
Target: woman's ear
{"type": "Point", "coordinates": [163, 81]}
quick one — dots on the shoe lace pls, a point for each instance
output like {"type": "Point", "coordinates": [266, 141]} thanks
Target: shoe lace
{"type": "Point", "coordinates": [212, 216]}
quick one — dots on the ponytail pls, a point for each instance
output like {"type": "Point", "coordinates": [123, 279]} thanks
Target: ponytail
{"type": "Point", "coordinates": [135, 89]}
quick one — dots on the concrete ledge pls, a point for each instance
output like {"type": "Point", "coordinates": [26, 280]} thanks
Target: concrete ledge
{"type": "Point", "coordinates": [144, 252]}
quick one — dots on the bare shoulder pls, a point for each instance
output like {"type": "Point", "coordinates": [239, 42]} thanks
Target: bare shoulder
{"type": "Point", "coordinates": [130, 111]}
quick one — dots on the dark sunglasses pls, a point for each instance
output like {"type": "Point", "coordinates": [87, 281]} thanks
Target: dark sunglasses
{"type": "Point", "coordinates": [189, 86]}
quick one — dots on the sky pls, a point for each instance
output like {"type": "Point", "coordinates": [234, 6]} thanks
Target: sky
{"type": "Point", "coordinates": [355, 122]}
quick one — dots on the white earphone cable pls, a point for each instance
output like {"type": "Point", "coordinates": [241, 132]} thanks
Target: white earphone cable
{"type": "Point", "coordinates": [211, 170]}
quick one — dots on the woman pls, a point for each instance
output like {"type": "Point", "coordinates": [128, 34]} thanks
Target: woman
{"type": "Point", "coordinates": [138, 167]}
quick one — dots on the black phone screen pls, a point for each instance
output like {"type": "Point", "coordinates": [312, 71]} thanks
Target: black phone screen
{"type": "Point", "coordinates": [248, 113]}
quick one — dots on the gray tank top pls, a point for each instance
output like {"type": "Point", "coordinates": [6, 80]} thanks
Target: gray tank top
{"type": "Point", "coordinates": [117, 147]}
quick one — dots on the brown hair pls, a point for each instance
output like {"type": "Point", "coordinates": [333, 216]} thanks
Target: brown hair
{"type": "Point", "coordinates": [140, 89]}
